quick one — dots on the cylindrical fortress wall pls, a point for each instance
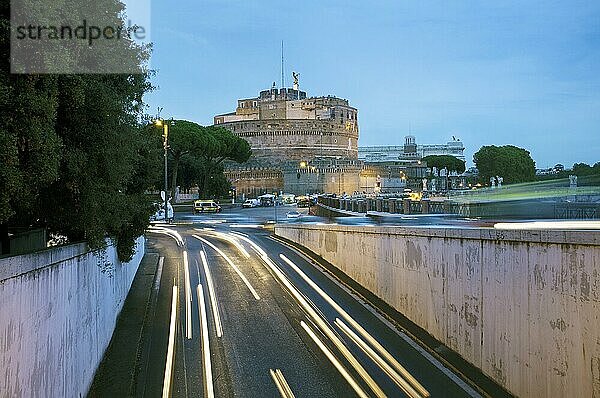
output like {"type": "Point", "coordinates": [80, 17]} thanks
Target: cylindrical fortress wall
{"type": "Point", "coordinates": [284, 140]}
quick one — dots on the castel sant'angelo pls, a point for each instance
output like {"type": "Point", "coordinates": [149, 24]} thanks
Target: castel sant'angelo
{"type": "Point", "coordinates": [299, 144]}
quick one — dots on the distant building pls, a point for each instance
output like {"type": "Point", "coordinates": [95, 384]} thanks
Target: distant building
{"type": "Point", "coordinates": [388, 168]}
{"type": "Point", "coordinates": [410, 150]}
{"type": "Point", "coordinates": [304, 144]}
{"type": "Point", "coordinates": [557, 169]}
{"type": "Point", "coordinates": [299, 144]}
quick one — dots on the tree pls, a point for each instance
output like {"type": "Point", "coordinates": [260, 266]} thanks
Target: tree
{"type": "Point", "coordinates": [583, 169]}
{"type": "Point", "coordinates": [224, 146]}
{"type": "Point", "coordinates": [184, 138]}
{"type": "Point", "coordinates": [197, 154]}
{"type": "Point", "coordinates": [511, 163]}
{"type": "Point", "coordinates": [452, 163]}
{"type": "Point", "coordinates": [75, 159]}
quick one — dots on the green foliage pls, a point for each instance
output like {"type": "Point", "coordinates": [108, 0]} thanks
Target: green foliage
{"type": "Point", "coordinates": [583, 169]}
{"type": "Point", "coordinates": [197, 155]}
{"type": "Point", "coordinates": [511, 163]}
{"type": "Point", "coordinates": [75, 158]}
{"type": "Point", "coordinates": [452, 163]}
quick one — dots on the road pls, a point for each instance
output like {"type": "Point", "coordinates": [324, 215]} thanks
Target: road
{"type": "Point", "coordinates": [238, 312]}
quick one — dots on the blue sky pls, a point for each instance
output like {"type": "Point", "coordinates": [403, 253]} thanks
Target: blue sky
{"type": "Point", "coordinates": [521, 73]}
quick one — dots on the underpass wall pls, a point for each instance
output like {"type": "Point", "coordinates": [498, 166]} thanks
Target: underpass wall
{"type": "Point", "coordinates": [58, 310]}
{"type": "Point", "coordinates": [523, 306]}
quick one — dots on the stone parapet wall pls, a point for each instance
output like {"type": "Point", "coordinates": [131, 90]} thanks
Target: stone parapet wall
{"type": "Point", "coordinates": [58, 310]}
{"type": "Point", "coordinates": [523, 306]}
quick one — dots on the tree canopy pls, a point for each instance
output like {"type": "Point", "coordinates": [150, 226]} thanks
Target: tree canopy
{"type": "Point", "coordinates": [75, 158]}
{"type": "Point", "coordinates": [197, 154]}
{"type": "Point", "coordinates": [584, 169]}
{"type": "Point", "coordinates": [452, 163]}
{"type": "Point", "coordinates": [511, 163]}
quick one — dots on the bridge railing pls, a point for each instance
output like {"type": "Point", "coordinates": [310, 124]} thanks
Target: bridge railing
{"type": "Point", "coordinates": [565, 208]}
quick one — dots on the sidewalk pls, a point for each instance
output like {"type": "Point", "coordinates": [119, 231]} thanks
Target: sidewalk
{"type": "Point", "coordinates": [115, 377]}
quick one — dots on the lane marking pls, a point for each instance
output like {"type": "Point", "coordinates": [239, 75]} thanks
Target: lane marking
{"type": "Point", "coordinates": [361, 393]}
{"type": "Point", "coordinates": [235, 268]}
{"type": "Point", "coordinates": [208, 381]}
{"type": "Point", "coordinates": [282, 385]}
{"type": "Point", "coordinates": [171, 346]}
{"type": "Point", "coordinates": [403, 384]}
{"type": "Point", "coordinates": [399, 369]}
{"type": "Point", "coordinates": [317, 319]}
{"type": "Point", "coordinates": [188, 297]}
{"type": "Point", "coordinates": [213, 296]}
{"type": "Point", "coordinates": [445, 367]}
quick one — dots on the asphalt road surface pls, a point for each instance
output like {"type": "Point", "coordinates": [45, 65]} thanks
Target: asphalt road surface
{"type": "Point", "coordinates": [238, 312]}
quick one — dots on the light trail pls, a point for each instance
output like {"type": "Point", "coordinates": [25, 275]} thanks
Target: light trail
{"type": "Point", "coordinates": [382, 351]}
{"type": "Point", "coordinates": [556, 225]}
{"type": "Point", "coordinates": [246, 225]}
{"type": "Point", "coordinates": [213, 296]}
{"type": "Point", "coordinates": [282, 385]}
{"type": "Point", "coordinates": [188, 297]}
{"type": "Point", "coordinates": [159, 269]}
{"type": "Point", "coordinates": [231, 240]}
{"type": "Point", "coordinates": [435, 362]}
{"type": "Point", "coordinates": [205, 345]}
{"type": "Point", "coordinates": [235, 268]}
{"type": "Point", "coordinates": [403, 384]}
{"type": "Point", "coordinates": [238, 233]}
{"type": "Point", "coordinates": [317, 319]}
{"type": "Point", "coordinates": [171, 347]}
{"type": "Point", "coordinates": [167, 231]}
{"type": "Point", "coordinates": [359, 391]}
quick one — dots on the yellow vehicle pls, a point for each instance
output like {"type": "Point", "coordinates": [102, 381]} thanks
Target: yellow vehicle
{"type": "Point", "coordinates": [206, 206]}
{"type": "Point", "coordinates": [303, 201]}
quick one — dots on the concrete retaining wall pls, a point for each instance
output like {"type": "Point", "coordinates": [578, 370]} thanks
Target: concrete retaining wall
{"type": "Point", "coordinates": [523, 306]}
{"type": "Point", "coordinates": [58, 310]}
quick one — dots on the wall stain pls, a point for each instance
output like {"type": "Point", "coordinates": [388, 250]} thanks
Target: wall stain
{"type": "Point", "coordinates": [469, 311]}
{"type": "Point", "coordinates": [585, 286]}
{"type": "Point", "coordinates": [595, 368]}
{"type": "Point", "coordinates": [538, 277]}
{"type": "Point", "coordinates": [413, 255]}
{"type": "Point", "coordinates": [558, 324]}
{"type": "Point", "coordinates": [471, 259]}
{"type": "Point", "coordinates": [330, 242]}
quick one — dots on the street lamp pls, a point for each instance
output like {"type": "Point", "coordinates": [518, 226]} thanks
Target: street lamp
{"type": "Point", "coordinates": [165, 127]}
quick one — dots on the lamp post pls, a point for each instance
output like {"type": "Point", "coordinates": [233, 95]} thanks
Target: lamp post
{"type": "Point", "coordinates": [303, 165]}
{"type": "Point", "coordinates": [165, 126]}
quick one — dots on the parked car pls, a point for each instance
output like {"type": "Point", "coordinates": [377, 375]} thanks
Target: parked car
{"type": "Point", "coordinates": [206, 206]}
{"type": "Point", "coordinates": [293, 214]}
{"type": "Point", "coordinates": [250, 203]}
{"type": "Point", "coordinates": [266, 200]}
{"type": "Point", "coordinates": [288, 199]}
